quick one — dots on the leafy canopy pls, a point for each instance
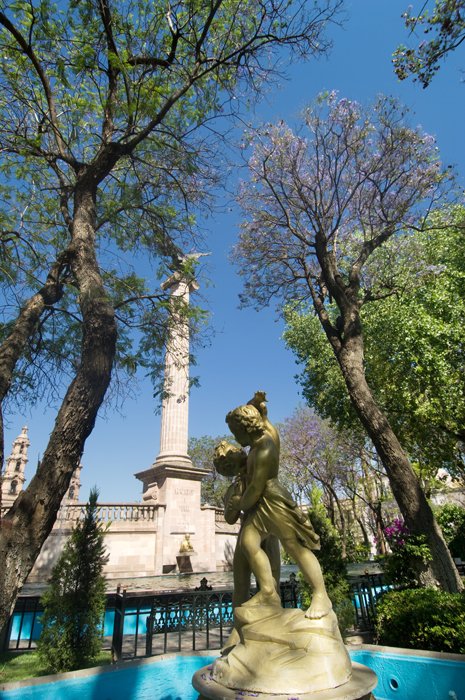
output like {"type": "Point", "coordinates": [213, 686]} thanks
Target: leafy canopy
{"type": "Point", "coordinates": [201, 451]}
{"type": "Point", "coordinates": [314, 452]}
{"type": "Point", "coordinates": [413, 348]}
{"type": "Point", "coordinates": [444, 31]}
{"type": "Point", "coordinates": [323, 198]}
{"type": "Point", "coordinates": [121, 96]}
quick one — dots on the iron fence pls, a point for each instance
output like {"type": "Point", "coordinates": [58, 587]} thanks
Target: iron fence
{"type": "Point", "coordinates": [24, 625]}
{"type": "Point", "coordinates": [198, 620]}
{"type": "Point", "coordinates": [365, 590]}
{"type": "Point", "coordinates": [126, 620]}
{"type": "Point", "coordinates": [180, 621]}
{"type": "Point", "coordinates": [290, 592]}
{"type": "Point", "coordinates": [146, 623]}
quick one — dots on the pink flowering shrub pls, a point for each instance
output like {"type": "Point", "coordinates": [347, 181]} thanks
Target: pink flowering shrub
{"type": "Point", "coordinates": [396, 534]}
{"type": "Point", "coordinates": [409, 554]}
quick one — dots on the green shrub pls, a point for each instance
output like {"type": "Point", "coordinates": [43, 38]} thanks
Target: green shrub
{"type": "Point", "coordinates": [74, 603]}
{"type": "Point", "coordinates": [423, 618]}
{"type": "Point", "coordinates": [333, 567]}
{"type": "Point", "coordinates": [451, 519]}
{"type": "Point", "coordinates": [357, 551]}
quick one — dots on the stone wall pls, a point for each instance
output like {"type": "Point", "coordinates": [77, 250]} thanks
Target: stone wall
{"type": "Point", "coordinates": [134, 540]}
{"type": "Point", "coordinates": [225, 541]}
{"type": "Point", "coordinates": [455, 496]}
{"type": "Point", "coordinates": [142, 542]}
{"type": "Point", "coordinates": [130, 539]}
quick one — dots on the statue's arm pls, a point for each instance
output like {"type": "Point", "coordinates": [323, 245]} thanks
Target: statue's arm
{"type": "Point", "coordinates": [260, 476]}
{"type": "Point", "coordinates": [232, 502]}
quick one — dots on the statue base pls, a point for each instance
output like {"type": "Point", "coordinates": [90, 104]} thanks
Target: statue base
{"type": "Point", "coordinates": [283, 654]}
{"type": "Point", "coordinates": [184, 563]}
{"type": "Point", "coordinates": [363, 681]}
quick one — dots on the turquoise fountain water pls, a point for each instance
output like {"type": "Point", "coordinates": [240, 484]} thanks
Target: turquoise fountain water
{"type": "Point", "coordinates": [400, 677]}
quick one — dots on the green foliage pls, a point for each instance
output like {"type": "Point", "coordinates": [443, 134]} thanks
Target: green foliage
{"type": "Point", "coordinates": [330, 553]}
{"type": "Point", "coordinates": [213, 485]}
{"type": "Point", "coordinates": [423, 618]}
{"type": "Point", "coordinates": [445, 27]}
{"type": "Point", "coordinates": [339, 593]}
{"type": "Point", "coordinates": [333, 567]}
{"type": "Point", "coordinates": [403, 567]}
{"type": "Point", "coordinates": [74, 603]}
{"type": "Point", "coordinates": [414, 356]}
{"type": "Point", "coordinates": [122, 95]}
{"type": "Point", "coordinates": [357, 551]}
{"type": "Point", "coordinates": [451, 519]}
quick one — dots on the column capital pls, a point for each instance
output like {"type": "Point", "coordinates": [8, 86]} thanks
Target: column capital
{"type": "Point", "coordinates": [179, 278]}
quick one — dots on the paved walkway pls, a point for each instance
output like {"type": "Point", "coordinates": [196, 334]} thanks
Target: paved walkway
{"type": "Point", "coordinates": [175, 642]}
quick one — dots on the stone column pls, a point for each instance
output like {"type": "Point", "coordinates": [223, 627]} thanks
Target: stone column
{"type": "Point", "coordinates": [173, 483]}
{"type": "Point", "coordinates": [175, 407]}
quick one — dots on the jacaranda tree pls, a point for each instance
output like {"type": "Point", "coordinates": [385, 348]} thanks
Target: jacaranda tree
{"type": "Point", "coordinates": [319, 205]}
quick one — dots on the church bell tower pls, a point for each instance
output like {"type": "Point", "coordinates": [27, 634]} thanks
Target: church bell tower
{"type": "Point", "coordinates": [13, 476]}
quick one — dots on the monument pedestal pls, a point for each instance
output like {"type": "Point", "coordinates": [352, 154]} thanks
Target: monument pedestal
{"type": "Point", "coordinates": [282, 655]}
{"type": "Point", "coordinates": [184, 563]}
{"type": "Point", "coordinates": [178, 491]}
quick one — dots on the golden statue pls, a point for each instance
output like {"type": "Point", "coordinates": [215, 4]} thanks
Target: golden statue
{"type": "Point", "coordinates": [270, 510]}
{"type": "Point", "coordinates": [273, 650]}
{"type": "Point", "coordinates": [186, 545]}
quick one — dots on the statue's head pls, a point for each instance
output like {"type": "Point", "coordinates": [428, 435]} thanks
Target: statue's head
{"type": "Point", "coordinates": [229, 460]}
{"type": "Point", "coordinates": [245, 423]}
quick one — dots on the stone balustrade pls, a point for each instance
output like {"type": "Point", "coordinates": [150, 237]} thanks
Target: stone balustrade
{"type": "Point", "coordinates": [219, 515]}
{"type": "Point", "coordinates": [224, 528]}
{"type": "Point", "coordinates": [106, 512]}
{"type": "Point", "coordinates": [110, 512]}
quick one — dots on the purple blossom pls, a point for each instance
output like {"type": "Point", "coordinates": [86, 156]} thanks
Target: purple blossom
{"type": "Point", "coordinates": [397, 533]}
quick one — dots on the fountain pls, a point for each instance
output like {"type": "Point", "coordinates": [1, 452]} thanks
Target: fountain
{"type": "Point", "coordinates": [273, 651]}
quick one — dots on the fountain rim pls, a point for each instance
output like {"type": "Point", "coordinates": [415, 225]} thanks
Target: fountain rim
{"type": "Point", "coordinates": [134, 663]}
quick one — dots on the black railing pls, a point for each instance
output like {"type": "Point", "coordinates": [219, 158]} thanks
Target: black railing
{"type": "Point", "coordinates": [24, 624]}
{"type": "Point", "coordinates": [197, 620]}
{"type": "Point", "coordinates": [135, 624]}
{"type": "Point", "coordinates": [129, 623]}
{"type": "Point", "coordinates": [365, 590]}
{"type": "Point", "coordinates": [290, 592]}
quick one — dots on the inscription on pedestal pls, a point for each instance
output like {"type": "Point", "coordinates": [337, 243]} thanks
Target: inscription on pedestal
{"type": "Point", "coordinates": [183, 491]}
{"type": "Point", "coordinates": [185, 510]}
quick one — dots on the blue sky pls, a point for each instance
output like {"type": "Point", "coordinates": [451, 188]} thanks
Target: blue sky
{"type": "Point", "coordinates": [247, 352]}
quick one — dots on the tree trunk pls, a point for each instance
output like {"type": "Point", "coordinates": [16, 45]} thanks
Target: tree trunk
{"type": "Point", "coordinates": [26, 323]}
{"type": "Point", "coordinates": [366, 539]}
{"type": "Point", "coordinates": [342, 523]}
{"type": "Point", "coordinates": [379, 524]}
{"type": "Point", "coordinates": [330, 505]}
{"type": "Point", "coordinates": [30, 520]}
{"type": "Point", "coordinates": [405, 486]}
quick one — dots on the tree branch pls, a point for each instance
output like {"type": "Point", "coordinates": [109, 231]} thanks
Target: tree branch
{"type": "Point", "coordinates": [28, 50]}
{"type": "Point", "coordinates": [12, 347]}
